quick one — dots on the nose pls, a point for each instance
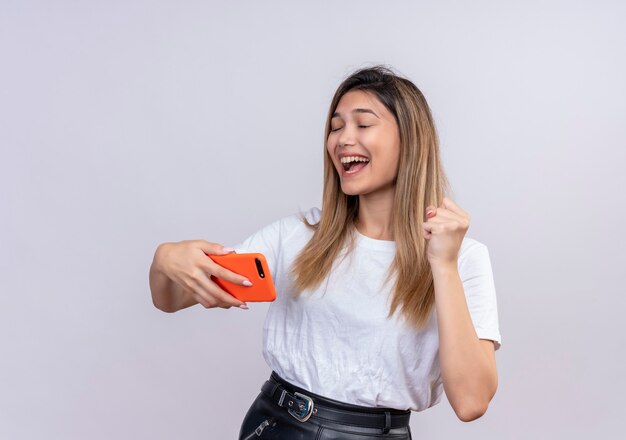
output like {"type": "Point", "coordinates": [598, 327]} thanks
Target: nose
{"type": "Point", "coordinates": [346, 137]}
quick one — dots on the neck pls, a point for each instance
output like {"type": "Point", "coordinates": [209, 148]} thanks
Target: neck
{"type": "Point", "coordinates": [374, 216]}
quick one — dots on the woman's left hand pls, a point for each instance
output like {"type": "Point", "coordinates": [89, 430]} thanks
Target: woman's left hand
{"type": "Point", "coordinates": [444, 229]}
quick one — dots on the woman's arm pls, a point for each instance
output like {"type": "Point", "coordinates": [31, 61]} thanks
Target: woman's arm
{"type": "Point", "coordinates": [468, 364]}
{"type": "Point", "coordinates": [167, 295]}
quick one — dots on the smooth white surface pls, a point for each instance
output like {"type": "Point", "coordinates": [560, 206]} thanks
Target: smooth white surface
{"type": "Point", "coordinates": [124, 124]}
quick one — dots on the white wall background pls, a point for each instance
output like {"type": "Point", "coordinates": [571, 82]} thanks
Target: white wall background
{"type": "Point", "coordinates": [124, 124]}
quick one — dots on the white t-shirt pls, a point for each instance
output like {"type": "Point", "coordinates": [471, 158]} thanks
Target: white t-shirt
{"type": "Point", "coordinates": [336, 341]}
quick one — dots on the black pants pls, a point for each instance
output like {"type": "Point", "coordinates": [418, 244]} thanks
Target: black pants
{"type": "Point", "coordinates": [273, 422]}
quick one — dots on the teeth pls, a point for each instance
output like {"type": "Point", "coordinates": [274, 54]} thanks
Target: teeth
{"type": "Point", "coordinates": [349, 159]}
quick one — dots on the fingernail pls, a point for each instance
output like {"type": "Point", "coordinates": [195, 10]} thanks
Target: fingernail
{"type": "Point", "coordinates": [247, 283]}
{"type": "Point", "coordinates": [227, 249]}
{"type": "Point", "coordinates": [243, 306]}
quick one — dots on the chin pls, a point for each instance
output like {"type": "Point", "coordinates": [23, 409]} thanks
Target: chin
{"type": "Point", "coordinates": [352, 191]}
{"type": "Point", "coordinates": [362, 190]}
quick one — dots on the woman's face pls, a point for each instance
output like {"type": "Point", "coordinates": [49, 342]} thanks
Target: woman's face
{"type": "Point", "coordinates": [362, 126]}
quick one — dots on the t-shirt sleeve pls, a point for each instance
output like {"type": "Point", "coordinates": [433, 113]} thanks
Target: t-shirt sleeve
{"type": "Point", "coordinates": [265, 241]}
{"type": "Point", "coordinates": [270, 239]}
{"type": "Point", "coordinates": [480, 292]}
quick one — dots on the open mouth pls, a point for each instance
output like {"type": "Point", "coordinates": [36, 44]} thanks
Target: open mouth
{"type": "Point", "coordinates": [354, 164]}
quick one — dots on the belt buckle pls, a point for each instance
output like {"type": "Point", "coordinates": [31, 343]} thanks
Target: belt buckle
{"type": "Point", "coordinates": [304, 413]}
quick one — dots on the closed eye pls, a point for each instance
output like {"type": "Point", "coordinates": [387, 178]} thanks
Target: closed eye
{"type": "Point", "coordinates": [360, 126]}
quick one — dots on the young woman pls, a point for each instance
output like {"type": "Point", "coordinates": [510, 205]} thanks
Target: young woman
{"type": "Point", "coordinates": [383, 302]}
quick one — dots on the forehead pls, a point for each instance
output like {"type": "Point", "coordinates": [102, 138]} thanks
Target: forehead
{"type": "Point", "coordinates": [360, 99]}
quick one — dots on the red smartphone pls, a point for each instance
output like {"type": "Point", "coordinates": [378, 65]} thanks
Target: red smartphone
{"type": "Point", "coordinates": [254, 267]}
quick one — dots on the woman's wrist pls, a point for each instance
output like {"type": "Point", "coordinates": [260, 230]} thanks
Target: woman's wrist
{"type": "Point", "coordinates": [443, 267]}
{"type": "Point", "coordinates": [159, 257]}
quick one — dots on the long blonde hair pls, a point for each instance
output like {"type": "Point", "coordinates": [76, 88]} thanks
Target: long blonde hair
{"type": "Point", "coordinates": [420, 182]}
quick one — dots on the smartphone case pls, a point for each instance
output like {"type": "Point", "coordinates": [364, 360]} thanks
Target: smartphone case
{"type": "Point", "coordinates": [254, 267]}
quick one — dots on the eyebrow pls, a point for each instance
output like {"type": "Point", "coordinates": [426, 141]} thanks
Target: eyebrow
{"type": "Point", "coordinates": [357, 110]}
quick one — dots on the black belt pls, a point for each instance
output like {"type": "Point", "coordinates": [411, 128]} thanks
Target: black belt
{"type": "Point", "coordinates": [302, 404]}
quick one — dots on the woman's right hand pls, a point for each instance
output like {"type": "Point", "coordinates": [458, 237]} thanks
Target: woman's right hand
{"type": "Point", "coordinates": [186, 263]}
